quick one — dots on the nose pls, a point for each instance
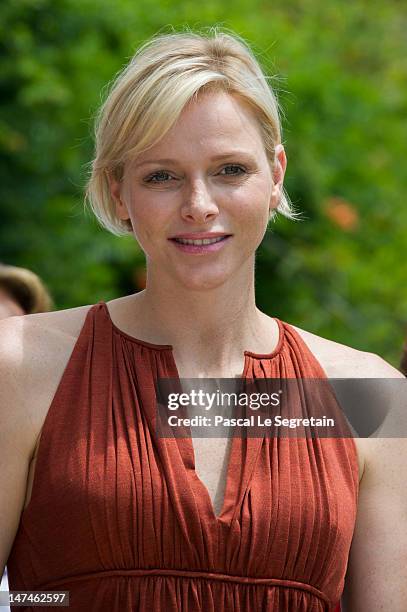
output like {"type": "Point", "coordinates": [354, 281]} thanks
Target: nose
{"type": "Point", "coordinates": [198, 205]}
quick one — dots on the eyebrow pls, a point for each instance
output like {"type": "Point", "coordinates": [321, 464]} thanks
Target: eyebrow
{"type": "Point", "coordinates": [227, 155]}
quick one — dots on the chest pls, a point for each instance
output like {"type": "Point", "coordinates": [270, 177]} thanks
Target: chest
{"type": "Point", "coordinates": [211, 463]}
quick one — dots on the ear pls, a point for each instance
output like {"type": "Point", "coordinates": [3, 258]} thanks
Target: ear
{"type": "Point", "coordinates": [115, 187]}
{"type": "Point", "coordinates": [280, 165]}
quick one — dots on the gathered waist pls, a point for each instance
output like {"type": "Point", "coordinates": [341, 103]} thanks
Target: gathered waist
{"type": "Point", "coordinates": [188, 574]}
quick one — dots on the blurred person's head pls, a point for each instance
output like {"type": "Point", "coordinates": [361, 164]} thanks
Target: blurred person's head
{"type": "Point", "coordinates": [165, 75]}
{"type": "Point", "coordinates": [403, 362]}
{"type": "Point", "coordinates": [21, 292]}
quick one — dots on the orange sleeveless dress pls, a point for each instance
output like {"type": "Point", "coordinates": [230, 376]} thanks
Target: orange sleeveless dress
{"type": "Point", "coordinates": [119, 518]}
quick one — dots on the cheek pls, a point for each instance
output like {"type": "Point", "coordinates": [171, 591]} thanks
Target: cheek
{"type": "Point", "coordinates": [149, 221]}
{"type": "Point", "coordinates": [143, 230]}
{"type": "Point", "coordinates": [251, 208]}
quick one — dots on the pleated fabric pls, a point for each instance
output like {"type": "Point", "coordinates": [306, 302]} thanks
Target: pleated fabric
{"type": "Point", "coordinates": [120, 519]}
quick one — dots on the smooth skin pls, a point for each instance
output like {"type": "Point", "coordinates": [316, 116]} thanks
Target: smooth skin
{"type": "Point", "coordinates": [204, 305]}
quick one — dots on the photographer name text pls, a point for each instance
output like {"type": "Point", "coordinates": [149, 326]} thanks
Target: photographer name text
{"type": "Point", "coordinates": [251, 421]}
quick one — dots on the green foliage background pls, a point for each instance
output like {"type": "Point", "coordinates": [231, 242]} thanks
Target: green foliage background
{"type": "Point", "coordinates": [342, 80]}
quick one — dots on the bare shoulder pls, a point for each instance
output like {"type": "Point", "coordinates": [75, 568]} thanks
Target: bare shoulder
{"type": "Point", "coordinates": [34, 351]}
{"type": "Point", "coordinates": [68, 322]}
{"type": "Point", "coordinates": [342, 361]}
{"type": "Point", "coordinates": [31, 344]}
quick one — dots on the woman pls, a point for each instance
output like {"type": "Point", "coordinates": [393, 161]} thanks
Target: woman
{"type": "Point", "coordinates": [189, 160]}
{"type": "Point", "coordinates": [21, 292]}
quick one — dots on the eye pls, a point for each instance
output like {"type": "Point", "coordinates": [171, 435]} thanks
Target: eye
{"type": "Point", "coordinates": [161, 176]}
{"type": "Point", "coordinates": [233, 167]}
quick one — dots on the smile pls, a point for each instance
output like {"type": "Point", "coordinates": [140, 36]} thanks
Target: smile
{"type": "Point", "coordinates": [200, 242]}
{"type": "Point", "coordinates": [200, 246]}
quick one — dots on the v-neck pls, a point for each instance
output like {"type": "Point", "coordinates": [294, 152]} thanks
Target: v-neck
{"type": "Point", "coordinates": [242, 452]}
{"type": "Point", "coordinates": [241, 460]}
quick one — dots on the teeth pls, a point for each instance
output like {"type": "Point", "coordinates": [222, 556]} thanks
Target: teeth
{"type": "Point", "coordinates": [199, 242]}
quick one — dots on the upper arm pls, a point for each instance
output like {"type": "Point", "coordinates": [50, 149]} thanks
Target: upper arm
{"type": "Point", "coordinates": [34, 351]}
{"type": "Point", "coordinates": [16, 439]}
{"type": "Point", "coordinates": [377, 571]}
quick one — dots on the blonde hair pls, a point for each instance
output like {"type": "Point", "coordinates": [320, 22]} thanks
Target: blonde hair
{"type": "Point", "coordinates": [149, 94]}
{"type": "Point", "coordinates": [25, 288]}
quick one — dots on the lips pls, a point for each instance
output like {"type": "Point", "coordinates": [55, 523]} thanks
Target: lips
{"type": "Point", "coordinates": [199, 236]}
{"type": "Point", "coordinates": [199, 241]}
{"type": "Point", "coordinates": [200, 244]}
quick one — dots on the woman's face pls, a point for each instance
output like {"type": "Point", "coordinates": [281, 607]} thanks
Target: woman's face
{"type": "Point", "coordinates": [207, 179]}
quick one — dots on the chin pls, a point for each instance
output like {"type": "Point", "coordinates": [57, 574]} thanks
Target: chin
{"type": "Point", "coordinates": [200, 282]}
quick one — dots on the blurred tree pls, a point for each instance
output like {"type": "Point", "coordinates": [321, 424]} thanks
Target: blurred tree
{"type": "Point", "coordinates": [56, 58]}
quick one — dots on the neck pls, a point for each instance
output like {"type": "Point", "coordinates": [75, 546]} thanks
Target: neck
{"type": "Point", "coordinates": [212, 327]}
